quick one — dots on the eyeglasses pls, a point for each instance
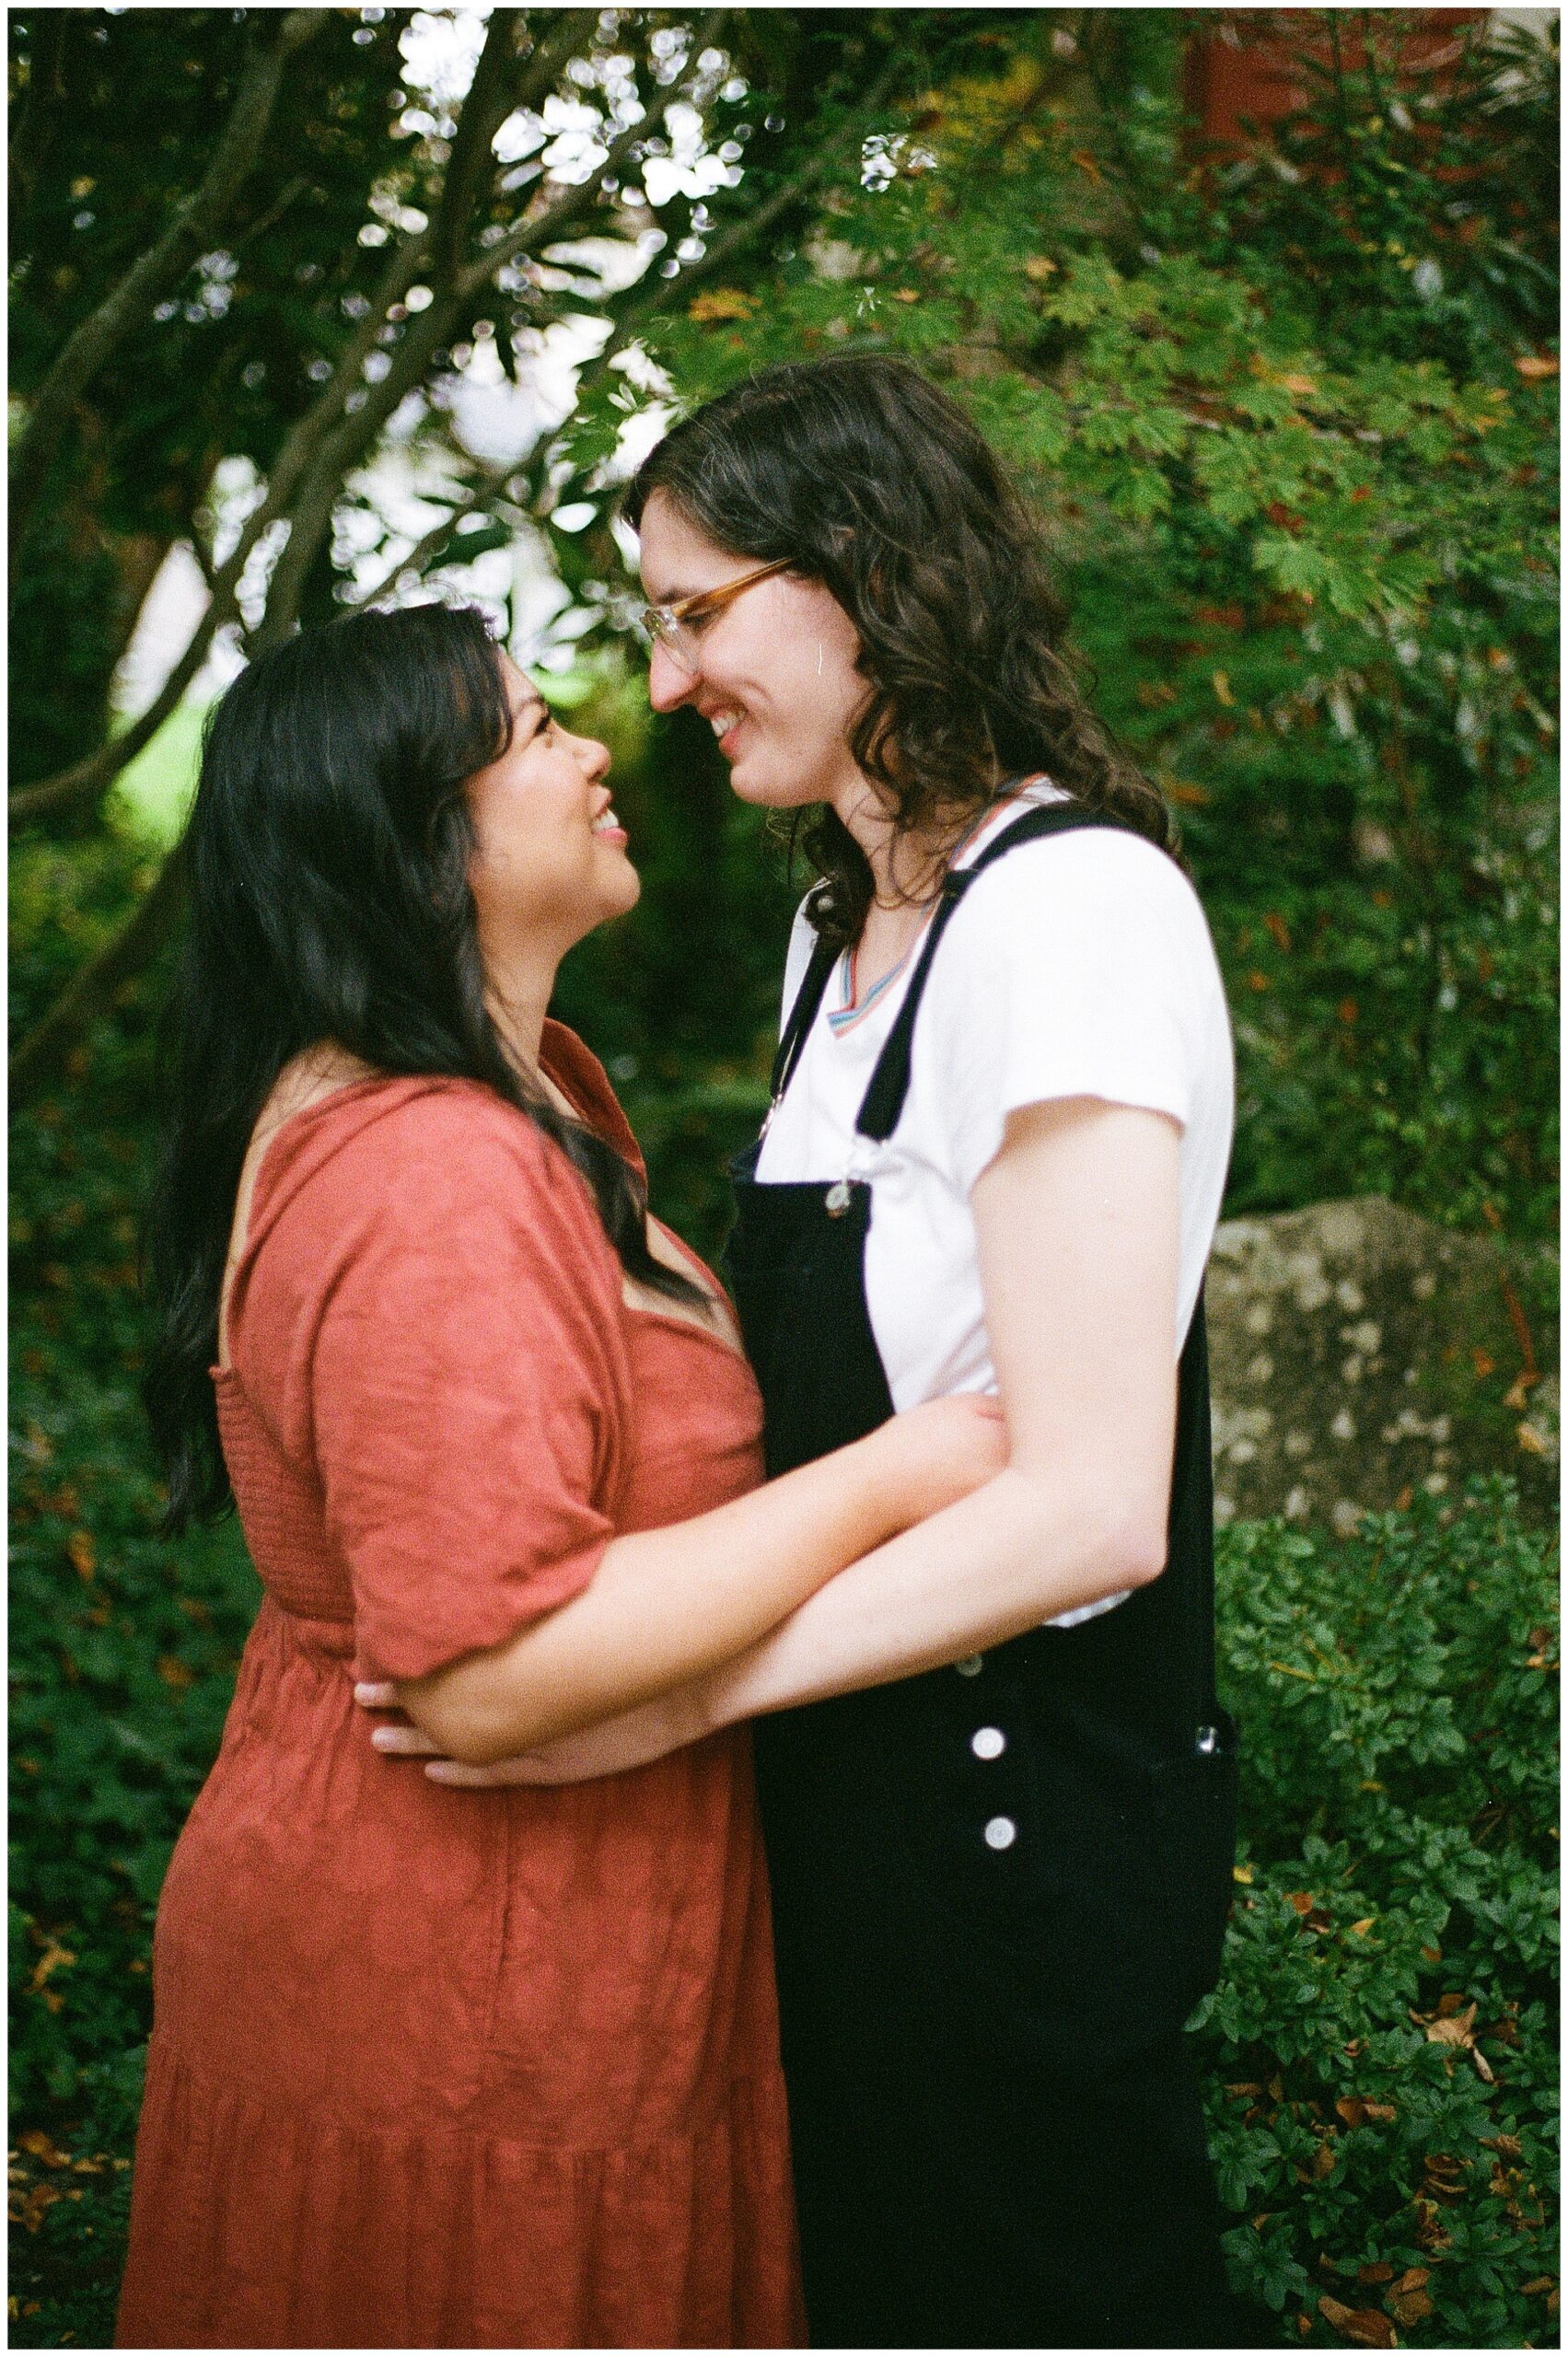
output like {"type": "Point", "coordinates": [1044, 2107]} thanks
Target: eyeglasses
{"type": "Point", "coordinates": [677, 628]}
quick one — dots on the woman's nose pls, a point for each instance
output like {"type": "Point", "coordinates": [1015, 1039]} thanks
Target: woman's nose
{"type": "Point", "coordinates": [593, 755]}
{"type": "Point", "coordinates": [668, 685]}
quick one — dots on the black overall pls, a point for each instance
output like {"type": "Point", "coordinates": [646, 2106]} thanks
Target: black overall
{"type": "Point", "coordinates": [999, 1888]}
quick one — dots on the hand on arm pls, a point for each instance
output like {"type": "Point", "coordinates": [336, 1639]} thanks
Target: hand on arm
{"type": "Point", "coordinates": [664, 1607]}
{"type": "Point", "coordinates": [1076, 1222]}
{"type": "Point", "coordinates": [1077, 1229]}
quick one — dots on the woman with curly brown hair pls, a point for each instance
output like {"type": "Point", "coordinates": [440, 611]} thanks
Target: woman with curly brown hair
{"type": "Point", "coordinates": [997, 1784]}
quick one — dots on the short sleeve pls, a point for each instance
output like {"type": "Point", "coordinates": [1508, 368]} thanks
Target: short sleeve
{"type": "Point", "coordinates": [1078, 966]}
{"type": "Point", "coordinates": [469, 1390]}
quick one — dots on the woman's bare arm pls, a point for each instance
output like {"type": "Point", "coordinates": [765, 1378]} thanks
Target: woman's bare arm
{"type": "Point", "coordinates": [1078, 1227]}
{"type": "Point", "coordinates": [664, 1607]}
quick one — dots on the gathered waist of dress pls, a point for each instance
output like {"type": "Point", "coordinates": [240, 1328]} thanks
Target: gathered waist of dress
{"type": "Point", "coordinates": [312, 1633]}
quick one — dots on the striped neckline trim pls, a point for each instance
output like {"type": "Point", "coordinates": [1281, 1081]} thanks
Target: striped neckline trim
{"type": "Point", "coordinates": [848, 1012]}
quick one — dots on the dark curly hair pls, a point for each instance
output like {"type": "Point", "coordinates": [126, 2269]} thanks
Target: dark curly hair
{"type": "Point", "coordinates": [868, 479]}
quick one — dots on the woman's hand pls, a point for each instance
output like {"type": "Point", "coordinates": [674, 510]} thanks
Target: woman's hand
{"type": "Point", "coordinates": [936, 1454]}
{"type": "Point", "coordinates": [664, 1726]}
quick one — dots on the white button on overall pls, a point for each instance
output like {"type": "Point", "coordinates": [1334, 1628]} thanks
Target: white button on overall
{"type": "Point", "coordinates": [988, 1743]}
{"type": "Point", "coordinates": [1001, 1833]}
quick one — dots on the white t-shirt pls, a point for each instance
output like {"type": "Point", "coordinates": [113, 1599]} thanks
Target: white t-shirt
{"type": "Point", "coordinates": [1079, 965]}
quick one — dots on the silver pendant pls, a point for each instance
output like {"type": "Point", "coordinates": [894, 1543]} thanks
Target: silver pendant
{"type": "Point", "coordinates": [837, 1199]}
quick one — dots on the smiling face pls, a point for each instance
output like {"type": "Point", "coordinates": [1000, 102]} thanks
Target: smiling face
{"type": "Point", "coordinates": [549, 860]}
{"type": "Point", "coordinates": [775, 677]}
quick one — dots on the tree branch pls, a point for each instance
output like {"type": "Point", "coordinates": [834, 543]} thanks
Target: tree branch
{"type": "Point", "coordinates": [160, 267]}
{"type": "Point", "coordinates": [545, 228]}
{"type": "Point", "coordinates": [430, 547]}
{"type": "Point", "coordinates": [338, 451]}
{"type": "Point", "coordinates": [90, 776]}
{"type": "Point", "coordinates": [486, 108]}
{"type": "Point", "coordinates": [742, 233]}
{"type": "Point", "coordinates": [89, 992]}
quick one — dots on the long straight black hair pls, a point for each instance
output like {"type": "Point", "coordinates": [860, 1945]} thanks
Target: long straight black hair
{"type": "Point", "coordinates": [863, 475]}
{"type": "Point", "coordinates": [326, 862]}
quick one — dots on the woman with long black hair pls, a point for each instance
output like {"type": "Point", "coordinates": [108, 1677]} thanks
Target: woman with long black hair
{"type": "Point", "coordinates": [428, 2071]}
{"type": "Point", "coordinates": [997, 1784]}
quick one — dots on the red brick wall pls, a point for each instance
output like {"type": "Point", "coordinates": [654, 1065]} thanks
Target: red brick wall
{"type": "Point", "coordinates": [1240, 66]}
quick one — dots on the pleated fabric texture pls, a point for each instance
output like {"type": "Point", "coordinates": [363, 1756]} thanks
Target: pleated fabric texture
{"type": "Point", "coordinates": [446, 2069]}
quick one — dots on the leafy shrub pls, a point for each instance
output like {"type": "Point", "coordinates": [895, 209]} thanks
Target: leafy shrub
{"type": "Point", "coordinates": [1382, 2048]}
{"type": "Point", "coordinates": [1395, 1690]}
{"type": "Point", "coordinates": [1289, 423]}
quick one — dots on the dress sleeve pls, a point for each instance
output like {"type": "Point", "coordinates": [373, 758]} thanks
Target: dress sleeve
{"type": "Point", "coordinates": [468, 1389]}
{"type": "Point", "coordinates": [1077, 968]}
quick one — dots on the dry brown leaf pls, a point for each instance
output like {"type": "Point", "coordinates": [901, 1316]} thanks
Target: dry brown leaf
{"type": "Point", "coordinates": [1354, 2111]}
{"type": "Point", "coordinates": [84, 1557]}
{"type": "Point", "coordinates": [1368, 2328]}
{"type": "Point", "coordinates": [43, 2148]}
{"type": "Point", "coordinates": [720, 303]}
{"type": "Point", "coordinates": [1360, 1930]}
{"type": "Point", "coordinates": [1409, 2307]}
{"type": "Point", "coordinates": [1302, 1900]}
{"type": "Point", "coordinates": [1381, 2272]}
{"type": "Point", "coordinates": [28, 2210]}
{"type": "Point", "coordinates": [1536, 364]}
{"type": "Point", "coordinates": [53, 1956]}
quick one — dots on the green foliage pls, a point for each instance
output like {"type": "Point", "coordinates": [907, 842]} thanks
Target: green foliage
{"type": "Point", "coordinates": [1395, 1691]}
{"type": "Point", "coordinates": [1299, 492]}
{"type": "Point", "coordinates": [1382, 2046]}
{"type": "Point", "coordinates": [122, 1652]}
{"type": "Point", "coordinates": [1289, 426]}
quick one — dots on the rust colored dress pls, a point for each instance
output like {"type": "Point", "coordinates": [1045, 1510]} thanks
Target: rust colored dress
{"type": "Point", "coordinates": [435, 2068]}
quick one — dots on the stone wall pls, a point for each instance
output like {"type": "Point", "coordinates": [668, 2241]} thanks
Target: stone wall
{"type": "Point", "coordinates": [1359, 1354]}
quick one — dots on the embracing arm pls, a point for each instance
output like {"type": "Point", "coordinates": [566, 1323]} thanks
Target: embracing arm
{"type": "Point", "coordinates": [665, 1605]}
{"type": "Point", "coordinates": [1077, 1226]}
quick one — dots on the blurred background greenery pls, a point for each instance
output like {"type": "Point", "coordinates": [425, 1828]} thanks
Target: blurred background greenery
{"type": "Point", "coordinates": [315, 307]}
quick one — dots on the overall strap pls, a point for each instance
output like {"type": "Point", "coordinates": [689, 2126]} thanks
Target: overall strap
{"type": "Point", "coordinates": [884, 1100]}
{"type": "Point", "coordinates": [802, 1016]}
